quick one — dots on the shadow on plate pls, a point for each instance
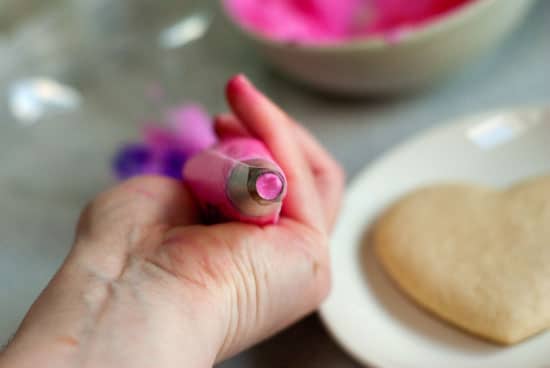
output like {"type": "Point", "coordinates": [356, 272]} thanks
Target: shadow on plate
{"type": "Point", "coordinates": [411, 315]}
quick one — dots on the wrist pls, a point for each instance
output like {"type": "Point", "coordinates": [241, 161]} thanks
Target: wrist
{"type": "Point", "coordinates": [142, 317]}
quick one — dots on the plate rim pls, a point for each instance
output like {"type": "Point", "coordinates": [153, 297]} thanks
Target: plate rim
{"type": "Point", "coordinates": [388, 154]}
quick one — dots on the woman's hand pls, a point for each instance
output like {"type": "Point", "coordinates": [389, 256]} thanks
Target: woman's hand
{"type": "Point", "coordinates": [147, 285]}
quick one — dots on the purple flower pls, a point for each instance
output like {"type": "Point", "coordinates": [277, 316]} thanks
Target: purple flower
{"type": "Point", "coordinates": [173, 162]}
{"type": "Point", "coordinates": [131, 160]}
{"type": "Point", "coordinates": [187, 130]}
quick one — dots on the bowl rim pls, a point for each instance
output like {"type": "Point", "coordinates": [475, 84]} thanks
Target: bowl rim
{"type": "Point", "coordinates": [432, 27]}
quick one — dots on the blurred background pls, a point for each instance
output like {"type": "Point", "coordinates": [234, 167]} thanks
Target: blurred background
{"type": "Point", "coordinates": [79, 77]}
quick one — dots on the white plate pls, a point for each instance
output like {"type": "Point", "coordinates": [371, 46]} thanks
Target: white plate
{"type": "Point", "coordinates": [365, 312]}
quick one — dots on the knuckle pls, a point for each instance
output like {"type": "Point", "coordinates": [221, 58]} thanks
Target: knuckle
{"type": "Point", "coordinates": [98, 217]}
{"type": "Point", "coordinates": [85, 221]}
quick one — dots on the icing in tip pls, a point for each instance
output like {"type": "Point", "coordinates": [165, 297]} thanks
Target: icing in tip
{"type": "Point", "coordinates": [269, 186]}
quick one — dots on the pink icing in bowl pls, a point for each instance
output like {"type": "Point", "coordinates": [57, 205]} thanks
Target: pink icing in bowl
{"type": "Point", "coordinates": [338, 47]}
{"type": "Point", "coordinates": [321, 22]}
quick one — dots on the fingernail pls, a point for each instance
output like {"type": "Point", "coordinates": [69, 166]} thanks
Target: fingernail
{"type": "Point", "coordinates": [239, 84]}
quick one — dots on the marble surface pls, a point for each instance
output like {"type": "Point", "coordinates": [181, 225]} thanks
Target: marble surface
{"type": "Point", "coordinates": [108, 51]}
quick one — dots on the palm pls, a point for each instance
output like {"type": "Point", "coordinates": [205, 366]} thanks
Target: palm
{"type": "Point", "coordinates": [155, 221]}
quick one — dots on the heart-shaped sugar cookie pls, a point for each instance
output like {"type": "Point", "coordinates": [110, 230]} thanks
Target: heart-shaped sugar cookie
{"type": "Point", "coordinates": [476, 257]}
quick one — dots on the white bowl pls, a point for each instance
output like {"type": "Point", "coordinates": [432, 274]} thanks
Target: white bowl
{"type": "Point", "coordinates": [366, 313]}
{"type": "Point", "coordinates": [423, 56]}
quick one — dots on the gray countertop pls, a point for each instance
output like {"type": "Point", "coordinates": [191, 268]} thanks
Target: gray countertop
{"type": "Point", "coordinates": [106, 49]}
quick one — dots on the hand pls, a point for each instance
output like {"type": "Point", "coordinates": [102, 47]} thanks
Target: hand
{"type": "Point", "coordinates": [146, 284]}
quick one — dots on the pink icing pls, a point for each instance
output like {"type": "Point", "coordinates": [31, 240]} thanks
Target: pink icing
{"type": "Point", "coordinates": [332, 21]}
{"type": "Point", "coordinates": [269, 186]}
{"type": "Point", "coordinates": [207, 174]}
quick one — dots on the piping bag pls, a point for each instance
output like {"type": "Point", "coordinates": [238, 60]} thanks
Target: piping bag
{"type": "Point", "coordinates": [234, 179]}
{"type": "Point", "coordinates": [237, 179]}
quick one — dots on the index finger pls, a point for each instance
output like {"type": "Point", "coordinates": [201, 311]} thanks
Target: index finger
{"type": "Point", "coordinates": [263, 119]}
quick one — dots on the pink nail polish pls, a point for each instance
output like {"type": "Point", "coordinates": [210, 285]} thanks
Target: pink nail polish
{"type": "Point", "coordinates": [237, 180]}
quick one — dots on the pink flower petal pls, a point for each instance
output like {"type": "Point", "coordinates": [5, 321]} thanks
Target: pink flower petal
{"type": "Point", "coordinates": [159, 138]}
{"type": "Point", "coordinates": [191, 127]}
